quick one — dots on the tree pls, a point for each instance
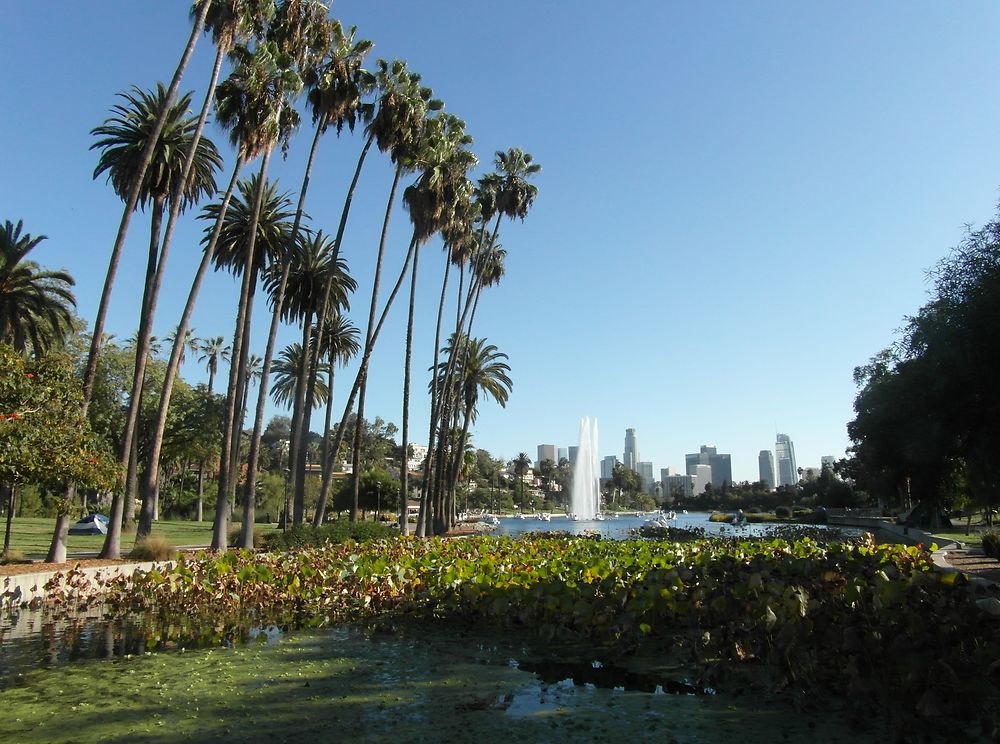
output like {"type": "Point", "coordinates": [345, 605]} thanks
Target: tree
{"type": "Point", "coordinates": [45, 438]}
{"type": "Point", "coordinates": [521, 465]}
{"type": "Point", "coordinates": [211, 350]}
{"type": "Point", "coordinates": [36, 306]}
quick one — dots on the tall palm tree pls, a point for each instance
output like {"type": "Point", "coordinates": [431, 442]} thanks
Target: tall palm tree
{"type": "Point", "coordinates": [170, 175]}
{"type": "Point", "coordinates": [36, 305]}
{"type": "Point", "coordinates": [131, 199]}
{"type": "Point", "coordinates": [432, 202]}
{"type": "Point", "coordinates": [336, 84]}
{"type": "Point", "coordinates": [258, 96]}
{"type": "Point", "coordinates": [210, 351]}
{"type": "Point", "coordinates": [398, 126]}
{"type": "Point", "coordinates": [522, 464]}
{"type": "Point", "coordinates": [287, 369]}
{"type": "Point", "coordinates": [229, 22]}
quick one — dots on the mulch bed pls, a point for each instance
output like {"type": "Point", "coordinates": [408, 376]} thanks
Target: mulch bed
{"type": "Point", "coordinates": [974, 563]}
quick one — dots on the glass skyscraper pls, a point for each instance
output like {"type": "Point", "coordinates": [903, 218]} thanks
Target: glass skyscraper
{"type": "Point", "coordinates": [784, 451]}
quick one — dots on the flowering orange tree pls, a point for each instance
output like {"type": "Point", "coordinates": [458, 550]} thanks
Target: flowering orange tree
{"type": "Point", "coordinates": [44, 437]}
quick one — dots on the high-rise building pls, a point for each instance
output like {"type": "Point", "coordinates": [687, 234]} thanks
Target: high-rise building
{"type": "Point", "coordinates": [645, 471]}
{"type": "Point", "coordinates": [676, 486]}
{"type": "Point", "coordinates": [784, 453]}
{"type": "Point", "coordinates": [721, 464]}
{"type": "Point", "coordinates": [572, 454]}
{"type": "Point", "coordinates": [546, 452]}
{"type": "Point", "coordinates": [701, 477]}
{"type": "Point", "coordinates": [563, 454]}
{"type": "Point", "coordinates": [631, 454]}
{"type": "Point", "coordinates": [765, 464]}
{"type": "Point", "coordinates": [608, 467]}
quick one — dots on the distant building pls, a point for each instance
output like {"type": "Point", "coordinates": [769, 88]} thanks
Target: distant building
{"type": "Point", "coordinates": [645, 471]}
{"type": "Point", "coordinates": [676, 486]}
{"type": "Point", "coordinates": [608, 467]}
{"type": "Point", "coordinates": [701, 477]}
{"type": "Point", "coordinates": [563, 454]}
{"type": "Point", "coordinates": [546, 452]}
{"type": "Point", "coordinates": [765, 465]}
{"type": "Point", "coordinates": [827, 461]}
{"type": "Point", "coordinates": [418, 453]}
{"type": "Point", "coordinates": [784, 453]}
{"type": "Point", "coordinates": [572, 455]}
{"type": "Point", "coordinates": [721, 464]}
{"type": "Point", "coordinates": [631, 454]}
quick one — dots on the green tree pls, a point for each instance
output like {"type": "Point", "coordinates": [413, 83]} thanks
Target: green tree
{"type": "Point", "coordinates": [521, 465]}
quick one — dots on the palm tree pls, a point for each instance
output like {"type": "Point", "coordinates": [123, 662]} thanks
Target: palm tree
{"type": "Point", "coordinates": [312, 267]}
{"type": "Point", "coordinates": [229, 21]}
{"type": "Point", "coordinates": [36, 306]}
{"type": "Point", "coordinates": [287, 369]}
{"type": "Point", "coordinates": [522, 464]}
{"type": "Point", "coordinates": [131, 199]}
{"type": "Point", "coordinates": [169, 175]}
{"type": "Point", "coordinates": [190, 342]}
{"type": "Point", "coordinates": [340, 346]}
{"type": "Point", "coordinates": [255, 98]}
{"type": "Point", "coordinates": [211, 350]}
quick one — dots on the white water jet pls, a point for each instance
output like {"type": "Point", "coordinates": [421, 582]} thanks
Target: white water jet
{"type": "Point", "coordinates": [585, 501]}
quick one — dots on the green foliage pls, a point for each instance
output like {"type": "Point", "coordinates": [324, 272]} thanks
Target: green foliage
{"type": "Point", "coordinates": [44, 439]}
{"type": "Point", "coordinates": [991, 544]}
{"type": "Point", "coordinates": [335, 533]}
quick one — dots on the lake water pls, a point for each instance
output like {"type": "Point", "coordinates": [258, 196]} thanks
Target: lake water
{"type": "Point", "coordinates": [620, 528]}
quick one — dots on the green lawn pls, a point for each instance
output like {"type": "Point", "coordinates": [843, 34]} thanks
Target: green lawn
{"type": "Point", "coordinates": [31, 536]}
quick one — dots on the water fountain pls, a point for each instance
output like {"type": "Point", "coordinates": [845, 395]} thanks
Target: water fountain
{"type": "Point", "coordinates": [585, 499]}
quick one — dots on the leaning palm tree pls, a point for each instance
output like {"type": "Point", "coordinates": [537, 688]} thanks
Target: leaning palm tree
{"type": "Point", "coordinates": [36, 306]}
{"type": "Point", "coordinates": [251, 104]}
{"type": "Point", "coordinates": [131, 199]}
{"type": "Point", "coordinates": [171, 175]}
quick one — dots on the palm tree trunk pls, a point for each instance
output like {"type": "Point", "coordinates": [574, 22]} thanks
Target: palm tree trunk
{"type": "Point", "coordinates": [246, 534]}
{"type": "Point", "coordinates": [299, 477]}
{"type": "Point", "coordinates": [131, 200]}
{"type": "Point", "coordinates": [404, 528]}
{"type": "Point", "coordinates": [329, 458]}
{"type": "Point", "coordinates": [148, 485]}
{"type": "Point", "coordinates": [423, 518]}
{"type": "Point", "coordinates": [243, 386]}
{"type": "Point", "coordinates": [225, 475]}
{"type": "Point", "coordinates": [369, 342]}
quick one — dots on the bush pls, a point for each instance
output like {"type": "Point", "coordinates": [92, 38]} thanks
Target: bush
{"type": "Point", "coordinates": [334, 532]}
{"type": "Point", "coordinates": [233, 537]}
{"type": "Point", "coordinates": [11, 556]}
{"type": "Point", "coordinates": [153, 548]}
{"type": "Point", "coordinates": [783, 511]}
{"type": "Point", "coordinates": [991, 544]}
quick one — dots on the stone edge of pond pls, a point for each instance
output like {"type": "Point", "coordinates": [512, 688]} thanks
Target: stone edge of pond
{"type": "Point", "coordinates": [29, 588]}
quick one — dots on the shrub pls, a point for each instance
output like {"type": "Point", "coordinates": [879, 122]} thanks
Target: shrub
{"type": "Point", "coordinates": [333, 532]}
{"type": "Point", "coordinates": [153, 548]}
{"type": "Point", "coordinates": [11, 556]}
{"type": "Point", "coordinates": [991, 544]}
{"type": "Point", "coordinates": [783, 511]}
{"type": "Point", "coordinates": [233, 537]}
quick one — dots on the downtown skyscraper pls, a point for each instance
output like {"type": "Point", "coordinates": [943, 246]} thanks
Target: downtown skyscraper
{"type": "Point", "coordinates": [784, 451]}
{"type": "Point", "coordinates": [631, 455]}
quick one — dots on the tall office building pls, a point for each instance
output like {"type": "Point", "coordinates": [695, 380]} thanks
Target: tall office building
{"type": "Point", "coordinates": [572, 454]}
{"type": "Point", "coordinates": [676, 486]}
{"type": "Point", "coordinates": [631, 454]}
{"type": "Point", "coordinates": [546, 452]}
{"type": "Point", "coordinates": [765, 464]}
{"type": "Point", "coordinates": [563, 454]}
{"type": "Point", "coordinates": [702, 476]}
{"type": "Point", "coordinates": [608, 467]}
{"type": "Point", "coordinates": [645, 471]}
{"type": "Point", "coordinates": [784, 453]}
{"type": "Point", "coordinates": [721, 464]}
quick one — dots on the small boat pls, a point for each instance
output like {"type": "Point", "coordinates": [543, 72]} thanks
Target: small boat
{"type": "Point", "coordinates": [599, 517]}
{"type": "Point", "coordinates": [519, 515]}
{"type": "Point", "coordinates": [545, 517]}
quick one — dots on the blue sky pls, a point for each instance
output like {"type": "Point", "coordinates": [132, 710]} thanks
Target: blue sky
{"type": "Point", "coordinates": [738, 204]}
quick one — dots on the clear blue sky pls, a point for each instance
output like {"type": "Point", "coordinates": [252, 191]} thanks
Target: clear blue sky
{"type": "Point", "coordinates": [738, 204]}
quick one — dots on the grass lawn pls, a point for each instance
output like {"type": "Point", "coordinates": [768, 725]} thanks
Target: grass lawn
{"type": "Point", "coordinates": [31, 536]}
